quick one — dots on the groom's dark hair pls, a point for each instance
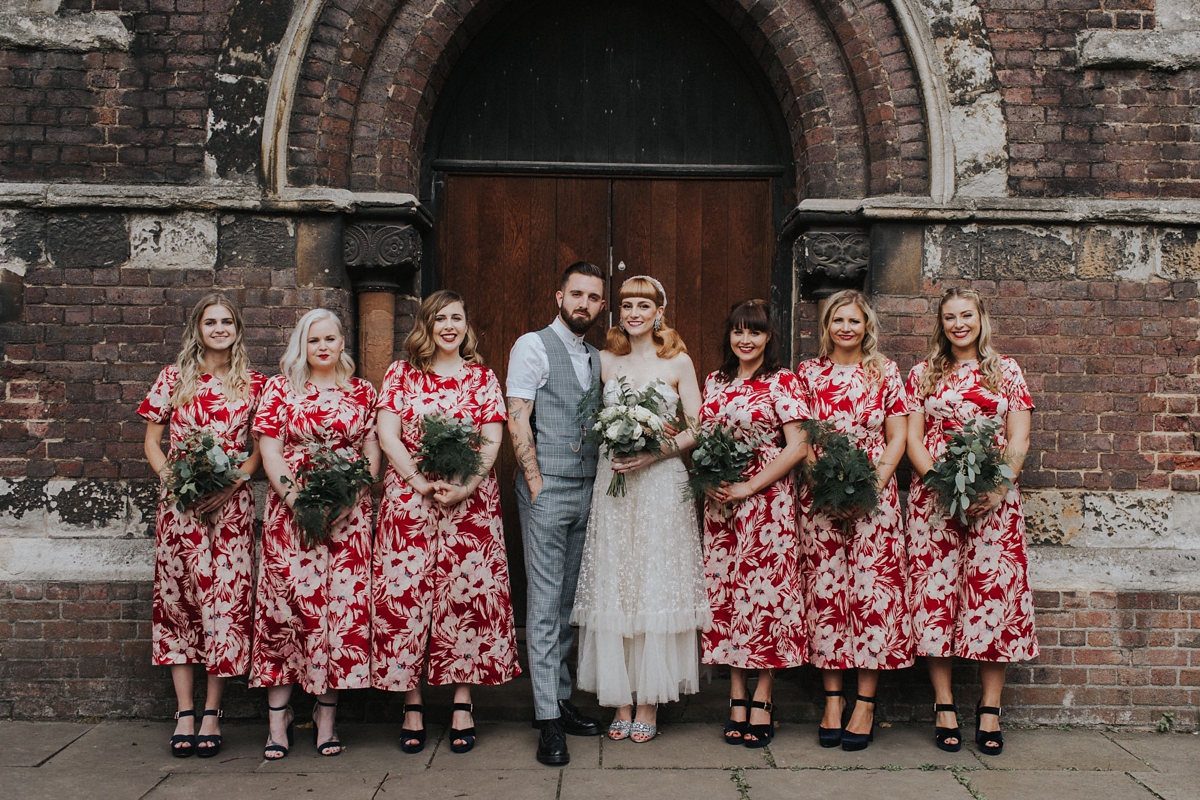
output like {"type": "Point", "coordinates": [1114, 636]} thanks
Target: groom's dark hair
{"type": "Point", "coordinates": [582, 268]}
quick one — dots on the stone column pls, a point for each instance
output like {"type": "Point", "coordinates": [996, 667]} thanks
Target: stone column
{"type": "Point", "coordinates": [381, 258]}
{"type": "Point", "coordinates": [830, 260]}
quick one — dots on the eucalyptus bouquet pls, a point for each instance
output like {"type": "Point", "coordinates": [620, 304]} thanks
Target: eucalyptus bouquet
{"type": "Point", "coordinates": [719, 457]}
{"type": "Point", "coordinates": [843, 480]}
{"type": "Point", "coordinates": [199, 466]}
{"type": "Point", "coordinates": [629, 426]}
{"type": "Point", "coordinates": [329, 482]}
{"type": "Point", "coordinates": [971, 467]}
{"type": "Point", "coordinates": [450, 448]}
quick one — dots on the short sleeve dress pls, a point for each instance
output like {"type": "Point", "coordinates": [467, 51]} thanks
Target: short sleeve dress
{"type": "Point", "coordinates": [751, 548]}
{"type": "Point", "coordinates": [203, 565]}
{"type": "Point", "coordinates": [969, 585]}
{"type": "Point", "coordinates": [312, 618]}
{"type": "Point", "coordinates": [855, 584]}
{"type": "Point", "coordinates": [442, 605]}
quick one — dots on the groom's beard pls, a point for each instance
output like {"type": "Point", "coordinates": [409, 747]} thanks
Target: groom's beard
{"type": "Point", "coordinates": [577, 325]}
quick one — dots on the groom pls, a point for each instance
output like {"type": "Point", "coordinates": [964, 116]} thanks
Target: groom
{"type": "Point", "coordinates": [549, 373]}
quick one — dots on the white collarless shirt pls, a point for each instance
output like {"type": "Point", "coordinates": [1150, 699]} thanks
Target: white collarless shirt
{"type": "Point", "coordinates": [529, 364]}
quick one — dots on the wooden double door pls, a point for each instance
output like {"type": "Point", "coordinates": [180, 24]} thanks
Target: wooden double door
{"type": "Point", "coordinates": [503, 241]}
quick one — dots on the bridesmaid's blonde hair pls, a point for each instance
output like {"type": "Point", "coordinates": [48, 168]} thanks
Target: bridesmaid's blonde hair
{"type": "Point", "coordinates": [294, 363]}
{"type": "Point", "coordinates": [873, 361]}
{"type": "Point", "coordinates": [191, 355]}
{"type": "Point", "coordinates": [941, 354]}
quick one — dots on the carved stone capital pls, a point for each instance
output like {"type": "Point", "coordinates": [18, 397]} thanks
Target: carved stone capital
{"type": "Point", "coordinates": [380, 256]}
{"type": "Point", "coordinates": [831, 260]}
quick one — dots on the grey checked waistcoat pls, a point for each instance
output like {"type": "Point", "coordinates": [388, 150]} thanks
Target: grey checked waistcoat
{"type": "Point", "coordinates": [557, 430]}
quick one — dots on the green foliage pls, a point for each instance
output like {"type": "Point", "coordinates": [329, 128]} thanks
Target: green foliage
{"type": "Point", "coordinates": [1165, 722]}
{"type": "Point", "coordinates": [971, 468]}
{"type": "Point", "coordinates": [329, 484]}
{"type": "Point", "coordinates": [843, 480]}
{"type": "Point", "coordinates": [200, 465]}
{"type": "Point", "coordinates": [719, 457]}
{"type": "Point", "coordinates": [450, 448]}
{"type": "Point", "coordinates": [632, 425]}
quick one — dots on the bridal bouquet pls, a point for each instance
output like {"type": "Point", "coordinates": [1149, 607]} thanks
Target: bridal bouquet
{"type": "Point", "coordinates": [971, 467]}
{"type": "Point", "coordinates": [719, 457]}
{"type": "Point", "coordinates": [631, 425]}
{"type": "Point", "coordinates": [199, 466]}
{"type": "Point", "coordinates": [329, 483]}
{"type": "Point", "coordinates": [843, 480]}
{"type": "Point", "coordinates": [450, 448]}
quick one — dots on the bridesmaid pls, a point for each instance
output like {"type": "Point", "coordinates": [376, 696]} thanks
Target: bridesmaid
{"type": "Point", "coordinates": [969, 586]}
{"type": "Point", "coordinates": [751, 543]}
{"type": "Point", "coordinates": [202, 555]}
{"type": "Point", "coordinates": [311, 623]}
{"type": "Point", "coordinates": [855, 583]}
{"type": "Point", "coordinates": [441, 600]}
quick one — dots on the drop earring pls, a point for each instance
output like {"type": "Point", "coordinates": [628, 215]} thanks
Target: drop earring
{"type": "Point", "coordinates": [657, 324]}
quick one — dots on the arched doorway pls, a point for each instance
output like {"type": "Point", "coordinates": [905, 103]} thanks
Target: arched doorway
{"type": "Point", "coordinates": [636, 134]}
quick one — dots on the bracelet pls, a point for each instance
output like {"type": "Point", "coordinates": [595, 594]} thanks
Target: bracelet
{"type": "Point", "coordinates": [409, 476]}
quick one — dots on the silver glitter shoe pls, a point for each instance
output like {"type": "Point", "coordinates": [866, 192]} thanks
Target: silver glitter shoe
{"type": "Point", "coordinates": [619, 729]}
{"type": "Point", "coordinates": [645, 729]}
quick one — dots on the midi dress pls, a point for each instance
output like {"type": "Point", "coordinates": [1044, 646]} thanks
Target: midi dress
{"type": "Point", "coordinates": [203, 566]}
{"type": "Point", "coordinates": [752, 547]}
{"type": "Point", "coordinates": [855, 581]}
{"type": "Point", "coordinates": [969, 585]}
{"type": "Point", "coordinates": [312, 615]}
{"type": "Point", "coordinates": [441, 601]}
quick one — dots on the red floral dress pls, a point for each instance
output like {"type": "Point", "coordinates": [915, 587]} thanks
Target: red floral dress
{"type": "Point", "coordinates": [854, 586]}
{"type": "Point", "coordinates": [969, 588]}
{"type": "Point", "coordinates": [313, 607]}
{"type": "Point", "coordinates": [202, 567]}
{"type": "Point", "coordinates": [751, 548]}
{"type": "Point", "coordinates": [441, 602]}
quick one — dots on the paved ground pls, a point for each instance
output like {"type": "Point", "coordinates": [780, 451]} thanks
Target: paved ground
{"type": "Point", "coordinates": [111, 760]}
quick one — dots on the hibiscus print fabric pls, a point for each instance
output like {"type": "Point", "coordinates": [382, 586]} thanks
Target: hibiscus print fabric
{"type": "Point", "coordinates": [202, 565]}
{"type": "Point", "coordinates": [441, 599]}
{"type": "Point", "coordinates": [969, 585]}
{"type": "Point", "coordinates": [855, 584]}
{"type": "Point", "coordinates": [312, 622]}
{"type": "Point", "coordinates": [751, 548]}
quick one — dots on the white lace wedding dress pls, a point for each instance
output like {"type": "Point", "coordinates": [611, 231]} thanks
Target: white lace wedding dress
{"type": "Point", "coordinates": [641, 601]}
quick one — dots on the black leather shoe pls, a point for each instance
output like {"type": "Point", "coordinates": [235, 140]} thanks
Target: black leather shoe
{"type": "Point", "coordinates": [575, 723]}
{"type": "Point", "coordinates": [552, 745]}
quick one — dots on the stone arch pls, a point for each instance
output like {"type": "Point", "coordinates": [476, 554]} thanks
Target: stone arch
{"type": "Point", "coordinates": [371, 71]}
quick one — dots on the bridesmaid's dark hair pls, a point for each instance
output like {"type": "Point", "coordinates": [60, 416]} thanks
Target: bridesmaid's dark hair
{"type": "Point", "coordinates": [751, 315]}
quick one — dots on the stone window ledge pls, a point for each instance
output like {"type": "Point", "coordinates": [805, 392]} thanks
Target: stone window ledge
{"type": "Point", "coordinates": [1166, 50]}
{"type": "Point", "coordinates": [76, 32]}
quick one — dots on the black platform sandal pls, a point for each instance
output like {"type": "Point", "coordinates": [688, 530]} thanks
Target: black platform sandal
{"type": "Point", "coordinates": [831, 737]}
{"type": "Point", "coordinates": [214, 741]}
{"type": "Point", "coordinates": [762, 733]}
{"type": "Point", "coordinates": [408, 735]}
{"type": "Point", "coordinates": [991, 743]}
{"type": "Point", "coordinates": [272, 747]}
{"type": "Point", "coordinates": [858, 741]}
{"type": "Point", "coordinates": [942, 734]}
{"type": "Point", "coordinates": [180, 739]}
{"type": "Point", "coordinates": [732, 726]}
{"type": "Point", "coordinates": [326, 748]}
{"type": "Point", "coordinates": [466, 735]}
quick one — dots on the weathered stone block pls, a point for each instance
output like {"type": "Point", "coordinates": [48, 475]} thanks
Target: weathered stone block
{"type": "Point", "coordinates": [319, 248]}
{"type": "Point", "coordinates": [1181, 254]}
{"type": "Point", "coordinates": [12, 296]}
{"type": "Point", "coordinates": [256, 242]}
{"type": "Point", "coordinates": [176, 241]}
{"type": "Point", "coordinates": [1026, 252]}
{"type": "Point", "coordinates": [896, 257]}
{"type": "Point", "coordinates": [88, 240]}
{"type": "Point", "coordinates": [22, 234]}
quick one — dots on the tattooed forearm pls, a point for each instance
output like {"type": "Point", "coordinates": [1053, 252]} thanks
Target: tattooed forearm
{"type": "Point", "coordinates": [519, 428]}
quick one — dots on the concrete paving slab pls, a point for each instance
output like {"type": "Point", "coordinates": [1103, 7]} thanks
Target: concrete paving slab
{"type": "Point", "coordinates": [28, 744]}
{"type": "Point", "coordinates": [1045, 749]}
{"type": "Point", "coordinates": [665, 784]}
{"type": "Point", "coordinates": [907, 746]}
{"type": "Point", "coordinates": [29, 783]}
{"type": "Point", "coordinates": [1014, 785]}
{"type": "Point", "coordinates": [352, 786]}
{"type": "Point", "coordinates": [367, 747]}
{"type": "Point", "coordinates": [1165, 752]}
{"type": "Point", "coordinates": [513, 745]}
{"type": "Point", "coordinates": [1173, 786]}
{"type": "Point", "coordinates": [478, 784]}
{"type": "Point", "coordinates": [686, 745]}
{"type": "Point", "coordinates": [122, 747]}
{"type": "Point", "coordinates": [822, 784]}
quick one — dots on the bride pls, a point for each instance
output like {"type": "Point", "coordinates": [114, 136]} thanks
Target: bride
{"type": "Point", "coordinates": [641, 598]}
